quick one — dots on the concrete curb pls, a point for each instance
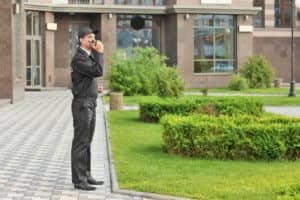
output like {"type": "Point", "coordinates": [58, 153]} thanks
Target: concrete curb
{"type": "Point", "coordinates": [113, 176]}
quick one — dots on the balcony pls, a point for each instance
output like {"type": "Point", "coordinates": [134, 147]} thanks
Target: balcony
{"type": "Point", "coordinates": [85, 1]}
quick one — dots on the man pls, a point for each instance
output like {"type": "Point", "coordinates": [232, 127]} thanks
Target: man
{"type": "Point", "coordinates": [87, 64]}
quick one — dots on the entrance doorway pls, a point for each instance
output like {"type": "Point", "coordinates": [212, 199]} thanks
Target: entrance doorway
{"type": "Point", "coordinates": [33, 50]}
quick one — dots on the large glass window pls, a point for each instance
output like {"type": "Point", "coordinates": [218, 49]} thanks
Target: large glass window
{"type": "Point", "coordinates": [128, 37]}
{"type": "Point", "coordinates": [214, 43]}
{"type": "Point", "coordinates": [140, 2]}
{"type": "Point", "coordinates": [283, 13]}
{"type": "Point", "coordinates": [259, 19]}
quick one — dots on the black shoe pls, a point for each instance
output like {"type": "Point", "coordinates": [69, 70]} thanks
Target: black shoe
{"type": "Point", "coordinates": [92, 181]}
{"type": "Point", "coordinates": [84, 186]}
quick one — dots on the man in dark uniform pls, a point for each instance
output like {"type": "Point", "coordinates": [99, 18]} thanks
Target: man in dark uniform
{"type": "Point", "coordinates": [87, 64]}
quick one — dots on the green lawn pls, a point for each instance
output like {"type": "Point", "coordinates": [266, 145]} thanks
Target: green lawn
{"type": "Point", "coordinates": [267, 100]}
{"type": "Point", "coordinates": [281, 91]}
{"type": "Point", "coordinates": [142, 165]}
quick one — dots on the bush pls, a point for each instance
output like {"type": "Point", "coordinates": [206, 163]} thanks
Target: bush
{"type": "Point", "coordinates": [123, 77]}
{"type": "Point", "coordinates": [144, 73]}
{"type": "Point", "coordinates": [258, 72]}
{"type": "Point", "coordinates": [238, 83]}
{"type": "Point", "coordinates": [154, 110]}
{"type": "Point", "coordinates": [230, 106]}
{"type": "Point", "coordinates": [240, 137]}
{"type": "Point", "coordinates": [168, 82]}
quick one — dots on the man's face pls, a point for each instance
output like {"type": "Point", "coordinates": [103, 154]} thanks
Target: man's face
{"type": "Point", "coordinates": [86, 41]}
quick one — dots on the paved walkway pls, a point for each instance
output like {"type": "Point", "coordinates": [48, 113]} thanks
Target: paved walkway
{"type": "Point", "coordinates": [35, 143]}
{"type": "Point", "coordinates": [293, 111]}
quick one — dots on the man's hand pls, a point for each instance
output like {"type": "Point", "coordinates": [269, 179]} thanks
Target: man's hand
{"type": "Point", "coordinates": [100, 89]}
{"type": "Point", "coordinates": [98, 47]}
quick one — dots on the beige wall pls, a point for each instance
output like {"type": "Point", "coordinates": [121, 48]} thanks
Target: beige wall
{"type": "Point", "coordinates": [244, 42]}
{"type": "Point", "coordinates": [49, 52]}
{"type": "Point", "coordinates": [19, 59]}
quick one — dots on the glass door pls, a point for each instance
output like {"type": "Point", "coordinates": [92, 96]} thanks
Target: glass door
{"type": "Point", "coordinates": [33, 50]}
{"type": "Point", "coordinates": [33, 63]}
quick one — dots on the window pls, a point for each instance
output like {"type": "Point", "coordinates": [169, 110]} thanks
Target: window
{"type": "Point", "coordinates": [214, 43]}
{"type": "Point", "coordinates": [128, 37]}
{"type": "Point", "coordinates": [141, 2]}
{"type": "Point", "coordinates": [283, 13]}
{"type": "Point", "coordinates": [259, 19]}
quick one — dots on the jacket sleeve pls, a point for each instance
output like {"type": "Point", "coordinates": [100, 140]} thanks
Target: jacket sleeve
{"type": "Point", "coordinates": [89, 67]}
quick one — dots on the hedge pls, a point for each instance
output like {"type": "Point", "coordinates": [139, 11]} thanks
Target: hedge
{"type": "Point", "coordinates": [239, 137]}
{"type": "Point", "coordinates": [154, 110]}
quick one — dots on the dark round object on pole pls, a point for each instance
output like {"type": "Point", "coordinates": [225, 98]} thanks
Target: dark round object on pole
{"type": "Point", "coordinates": [137, 22]}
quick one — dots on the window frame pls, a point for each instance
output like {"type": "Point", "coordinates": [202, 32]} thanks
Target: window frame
{"type": "Point", "coordinates": [287, 10]}
{"type": "Point", "coordinates": [214, 59]}
{"type": "Point", "coordinates": [141, 2]}
{"type": "Point", "coordinates": [263, 17]}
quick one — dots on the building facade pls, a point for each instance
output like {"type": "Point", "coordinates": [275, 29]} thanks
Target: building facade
{"type": "Point", "coordinates": [209, 40]}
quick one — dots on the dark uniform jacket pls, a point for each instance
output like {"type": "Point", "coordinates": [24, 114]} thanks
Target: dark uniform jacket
{"type": "Point", "coordinates": [84, 70]}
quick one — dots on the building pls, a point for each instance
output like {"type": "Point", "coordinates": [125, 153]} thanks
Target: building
{"type": "Point", "coordinates": [208, 39]}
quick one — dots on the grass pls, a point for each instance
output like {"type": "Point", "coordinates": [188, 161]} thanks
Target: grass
{"type": "Point", "coordinates": [142, 165]}
{"type": "Point", "coordinates": [279, 91]}
{"type": "Point", "coordinates": [267, 100]}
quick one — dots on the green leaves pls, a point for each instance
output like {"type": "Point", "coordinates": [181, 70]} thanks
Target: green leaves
{"type": "Point", "coordinates": [154, 110]}
{"type": "Point", "coordinates": [258, 72]}
{"type": "Point", "coordinates": [144, 73]}
{"type": "Point", "coordinates": [238, 83]}
{"type": "Point", "coordinates": [224, 137]}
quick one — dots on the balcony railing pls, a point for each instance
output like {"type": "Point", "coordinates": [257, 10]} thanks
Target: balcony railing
{"type": "Point", "coordinates": [85, 1]}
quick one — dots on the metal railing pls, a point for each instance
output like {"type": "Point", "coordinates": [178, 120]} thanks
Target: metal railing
{"type": "Point", "coordinates": [85, 1]}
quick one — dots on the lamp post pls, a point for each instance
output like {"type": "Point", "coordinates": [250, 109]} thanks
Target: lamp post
{"type": "Point", "coordinates": [292, 84]}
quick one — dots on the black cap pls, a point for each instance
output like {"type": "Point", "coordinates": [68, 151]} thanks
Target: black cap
{"type": "Point", "coordinates": [84, 31]}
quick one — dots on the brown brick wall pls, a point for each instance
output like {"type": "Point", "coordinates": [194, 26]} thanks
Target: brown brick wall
{"type": "Point", "coordinates": [278, 52]}
{"type": "Point", "coordinates": [6, 76]}
{"type": "Point", "coordinates": [108, 37]}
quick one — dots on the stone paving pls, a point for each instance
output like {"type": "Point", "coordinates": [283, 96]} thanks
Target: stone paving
{"type": "Point", "coordinates": [292, 111]}
{"type": "Point", "coordinates": [35, 144]}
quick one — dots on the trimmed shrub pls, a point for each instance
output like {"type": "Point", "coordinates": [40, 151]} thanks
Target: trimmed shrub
{"type": "Point", "coordinates": [152, 111]}
{"type": "Point", "coordinates": [238, 83]}
{"type": "Point", "coordinates": [258, 72]}
{"type": "Point", "coordinates": [240, 137]}
{"type": "Point", "coordinates": [230, 106]}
